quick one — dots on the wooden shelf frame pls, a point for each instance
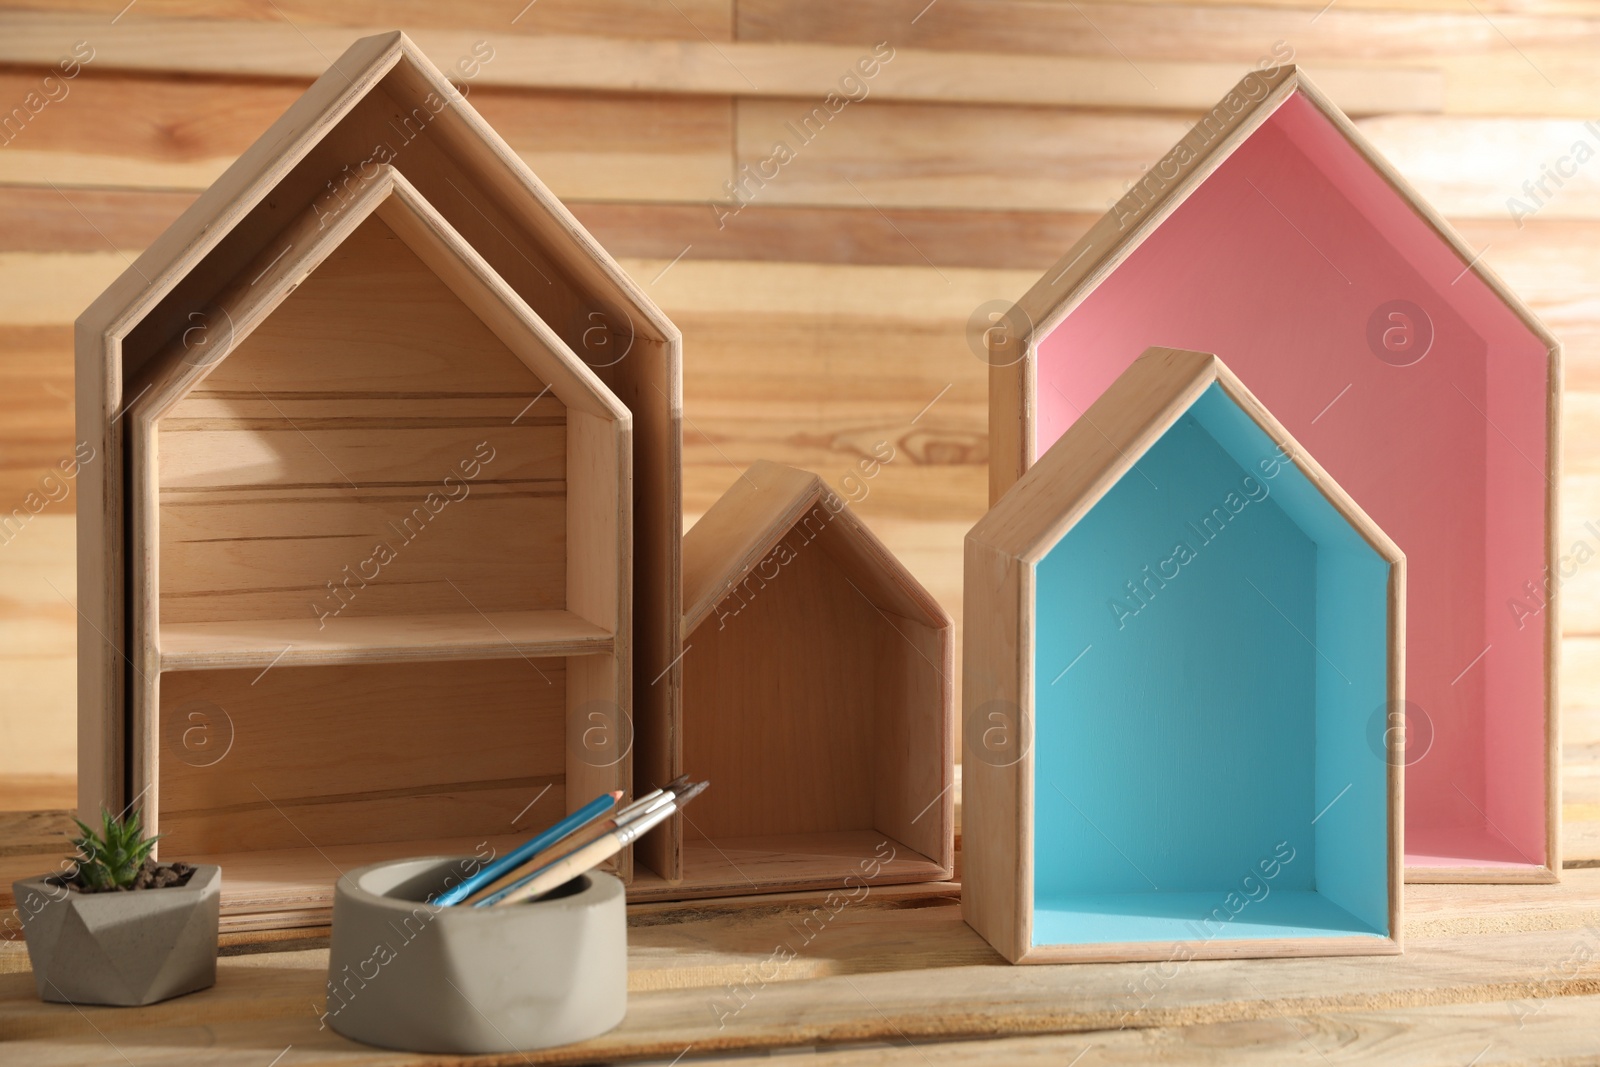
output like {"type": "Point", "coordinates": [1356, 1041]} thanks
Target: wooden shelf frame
{"type": "Point", "coordinates": [1489, 809]}
{"type": "Point", "coordinates": [573, 469]}
{"type": "Point", "coordinates": [381, 102]}
{"type": "Point", "coordinates": [1348, 585]}
{"type": "Point", "coordinates": [819, 700]}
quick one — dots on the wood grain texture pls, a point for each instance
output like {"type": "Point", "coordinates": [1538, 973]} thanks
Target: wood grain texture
{"type": "Point", "coordinates": [1137, 217]}
{"type": "Point", "coordinates": [356, 754]}
{"type": "Point", "coordinates": [1546, 259]}
{"type": "Point", "coordinates": [43, 220]}
{"type": "Point", "coordinates": [784, 863]}
{"type": "Point", "coordinates": [1456, 1033]}
{"type": "Point", "coordinates": [899, 966]}
{"type": "Point", "coordinates": [802, 389]}
{"type": "Point", "coordinates": [1438, 38]}
{"type": "Point", "coordinates": [38, 460]}
{"type": "Point", "coordinates": [846, 723]}
{"type": "Point", "coordinates": [997, 776]}
{"type": "Point", "coordinates": [679, 19]}
{"type": "Point", "coordinates": [189, 131]}
{"type": "Point", "coordinates": [288, 892]}
{"type": "Point", "coordinates": [235, 509]}
{"type": "Point", "coordinates": [463, 635]}
{"type": "Point", "coordinates": [700, 67]}
{"type": "Point", "coordinates": [1004, 551]}
{"type": "Point", "coordinates": [908, 153]}
{"type": "Point", "coordinates": [447, 150]}
{"type": "Point", "coordinates": [336, 426]}
{"type": "Point", "coordinates": [1389, 61]}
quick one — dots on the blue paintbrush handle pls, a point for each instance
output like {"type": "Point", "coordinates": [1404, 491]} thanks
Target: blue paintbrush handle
{"type": "Point", "coordinates": [618, 839]}
{"type": "Point", "coordinates": [528, 849]}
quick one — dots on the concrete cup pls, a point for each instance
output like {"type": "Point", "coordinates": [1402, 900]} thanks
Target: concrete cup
{"type": "Point", "coordinates": [404, 974]}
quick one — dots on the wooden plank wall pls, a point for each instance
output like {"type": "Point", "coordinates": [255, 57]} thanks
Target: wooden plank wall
{"type": "Point", "coordinates": [826, 304]}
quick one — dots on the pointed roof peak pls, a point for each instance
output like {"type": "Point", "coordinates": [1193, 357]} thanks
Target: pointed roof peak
{"type": "Point", "coordinates": [745, 527]}
{"type": "Point", "coordinates": [1162, 188]}
{"type": "Point", "coordinates": [281, 268]}
{"type": "Point", "coordinates": [1108, 440]}
{"type": "Point", "coordinates": [372, 105]}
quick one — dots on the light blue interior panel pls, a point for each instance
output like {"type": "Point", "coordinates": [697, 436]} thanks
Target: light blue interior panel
{"type": "Point", "coordinates": [1211, 647]}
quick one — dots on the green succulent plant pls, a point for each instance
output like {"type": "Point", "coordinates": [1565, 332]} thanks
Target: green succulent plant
{"type": "Point", "coordinates": [113, 857]}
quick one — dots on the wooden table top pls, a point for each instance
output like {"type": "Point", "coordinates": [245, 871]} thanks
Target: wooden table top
{"type": "Point", "coordinates": [1491, 974]}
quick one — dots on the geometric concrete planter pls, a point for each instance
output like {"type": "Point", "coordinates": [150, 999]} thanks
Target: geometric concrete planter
{"type": "Point", "coordinates": [129, 948]}
{"type": "Point", "coordinates": [404, 974]}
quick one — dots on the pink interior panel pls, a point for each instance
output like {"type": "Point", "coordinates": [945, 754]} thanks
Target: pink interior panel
{"type": "Point", "coordinates": [1278, 263]}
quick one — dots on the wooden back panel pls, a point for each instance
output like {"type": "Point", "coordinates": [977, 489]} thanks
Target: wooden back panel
{"type": "Point", "coordinates": [913, 800]}
{"type": "Point", "coordinates": [372, 411]}
{"type": "Point", "coordinates": [778, 683]}
{"type": "Point", "coordinates": [340, 755]}
{"type": "Point", "coordinates": [817, 735]}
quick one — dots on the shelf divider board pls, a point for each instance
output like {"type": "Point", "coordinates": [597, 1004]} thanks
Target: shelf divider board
{"type": "Point", "coordinates": [851, 861]}
{"type": "Point", "coordinates": [379, 639]}
{"type": "Point", "coordinates": [294, 886]}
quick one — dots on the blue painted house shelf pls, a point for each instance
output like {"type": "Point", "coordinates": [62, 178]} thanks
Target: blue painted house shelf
{"type": "Point", "coordinates": [1182, 645]}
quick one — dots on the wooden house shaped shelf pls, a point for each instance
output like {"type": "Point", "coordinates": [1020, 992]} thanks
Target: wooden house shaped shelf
{"type": "Point", "coordinates": [1274, 235]}
{"type": "Point", "coordinates": [1181, 642]}
{"type": "Point", "coordinates": [817, 700]}
{"type": "Point", "coordinates": [382, 109]}
{"type": "Point", "coordinates": [1277, 237]}
{"type": "Point", "coordinates": [381, 527]}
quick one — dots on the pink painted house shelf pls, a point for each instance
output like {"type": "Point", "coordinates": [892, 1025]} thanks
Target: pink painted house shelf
{"type": "Point", "coordinates": [1274, 236]}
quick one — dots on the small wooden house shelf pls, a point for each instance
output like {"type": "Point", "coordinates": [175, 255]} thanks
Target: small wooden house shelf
{"type": "Point", "coordinates": [817, 700]}
{"type": "Point", "coordinates": [382, 104]}
{"type": "Point", "coordinates": [1181, 639]}
{"type": "Point", "coordinates": [381, 525]}
{"type": "Point", "coordinates": [1275, 235]}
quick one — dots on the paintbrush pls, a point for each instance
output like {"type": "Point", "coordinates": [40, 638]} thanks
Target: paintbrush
{"type": "Point", "coordinates": [539, 842]}
{"type": "Point", "coordinates": [586, 857]}
{"type": "Point", "coordinates": [529, 862]}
